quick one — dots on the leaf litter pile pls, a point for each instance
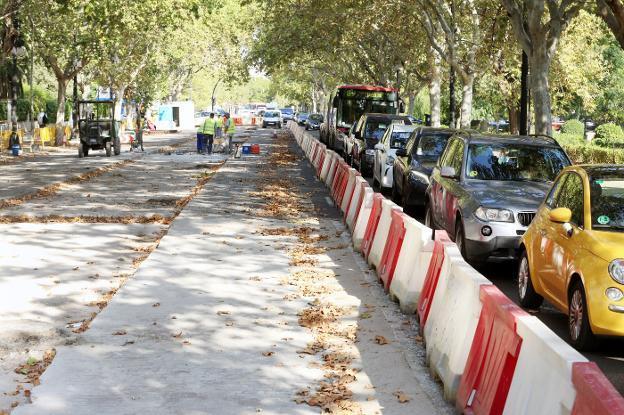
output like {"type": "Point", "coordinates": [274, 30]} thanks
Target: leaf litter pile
{"type": "Point", "coordinates": [333, 338]}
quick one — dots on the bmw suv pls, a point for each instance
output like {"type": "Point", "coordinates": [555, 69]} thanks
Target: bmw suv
{"type": "Point", "coordinates": [485, 190]}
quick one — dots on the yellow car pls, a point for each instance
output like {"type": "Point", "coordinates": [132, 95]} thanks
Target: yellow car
{"type": "Point", "coordinates": [573, 252]}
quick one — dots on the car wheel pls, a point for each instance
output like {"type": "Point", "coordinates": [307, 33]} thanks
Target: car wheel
{"type": "Point", "coordinates": [429, 217]}
{"type": "Point", "coordinates": [107, 147]}
{"type": "Point", "coordinates": [526, 292]}
{"type": "Point", "coordinates": [460, 238]}
{"type": "Point", "coordinates": [117, 146]}
{"type": "Point", "coordinates": [279, 125]}
{"type": "Point", "coordinates": [81, 150]}
{"type": "Point", "coordinates": [307, 128]}
{"type": "Point", "coordinates": [578, 319]}
{"type": "Point", "coordinates": [264, 125]}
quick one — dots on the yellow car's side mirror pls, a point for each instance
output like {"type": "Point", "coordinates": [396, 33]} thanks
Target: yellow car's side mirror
{"type": "Point", "coordinates": [560, 215]}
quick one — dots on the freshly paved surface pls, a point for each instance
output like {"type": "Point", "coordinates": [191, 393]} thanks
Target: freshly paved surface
{"type": "Point", "coordinates": [210, 321]}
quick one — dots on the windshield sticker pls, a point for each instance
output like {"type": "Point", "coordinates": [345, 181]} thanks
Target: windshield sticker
{"type": "Point", "coordinates": [473, 173]}
{"type": "Point", "coordinates": [600, 182]}
{"type": "Point", "coordinates": [603, 220]}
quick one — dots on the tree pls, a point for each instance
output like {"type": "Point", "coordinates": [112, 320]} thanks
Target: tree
{"type": "Point", "coordinates": [538, 26]}
{"type": "Point", "coordinates": [612, 12]}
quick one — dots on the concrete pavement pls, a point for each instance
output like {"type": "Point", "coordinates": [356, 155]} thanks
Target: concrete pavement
{"type": "Point", "coordinates": [223, 317]}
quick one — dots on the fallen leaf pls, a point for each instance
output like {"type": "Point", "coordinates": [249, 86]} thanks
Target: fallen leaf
{"type": "Point", "coordinates": [402, 397]}
{"type": "Point", "coordinates": [223, 313]}
{"type": "Point", "coordinates": [120, 333]}
{"type": "Point", "coordinates": [381, 340]}
{"type": "Point", "coordinates": [365, 315]}
{"type": "Point", "coordinates": [156, 305]}
{"type": "Point", "coordinates": [128, 342]}
{"type": "Point", "coordinates": [418, 339]}
{"type": "Point", "coordinates": [268, 354]}
{"type": "Point", "coordinates": [177, 336]}
{"type": "Point", "coordinates": [229, 323]}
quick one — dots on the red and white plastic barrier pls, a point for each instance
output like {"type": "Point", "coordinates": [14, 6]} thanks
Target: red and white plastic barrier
{"type": "Point", "coordinates": [356, 202]}
{"type": "Point", "coordinates": [411, 267]}
{"type": "Point", "coordinates": [492, 357]}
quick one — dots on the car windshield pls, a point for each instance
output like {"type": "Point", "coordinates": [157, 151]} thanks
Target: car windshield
{"type": "Point", "coordinates": [287, 111]}
{"type": "Point", "coordinates": [316, 117]}
{"type": "Point", "coordinates": [514, 162]}
{"type": "Point", "coordinates": [607, 200]}
{"type": "Point", "coordinates": [432, 145]}
{"type": "Point", "coordinates": [271, 114]}
{"type": "Point", "coordinates": [399, 139]}
{"type": "Point", "coordinates": [375, 130]}
{"type": "Point", "coordinates": [303, 115]}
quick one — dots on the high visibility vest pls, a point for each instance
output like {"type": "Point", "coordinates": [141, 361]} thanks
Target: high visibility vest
{"type": "Point", "coordinates": [219, 122]}
{"type": "Point", "coordinates": [230, 126]}
{"type": "Point", "coordinates": [209, 126]}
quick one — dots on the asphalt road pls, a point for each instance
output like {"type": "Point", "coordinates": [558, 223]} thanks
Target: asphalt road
{"type": "Point", "coordinates": [609, 356]}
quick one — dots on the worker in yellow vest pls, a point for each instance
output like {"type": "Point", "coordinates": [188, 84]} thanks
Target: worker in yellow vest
{"type": "Point", "coordinates": [230, 129]}
{"type": "Point", "coordinates": [209, 129]}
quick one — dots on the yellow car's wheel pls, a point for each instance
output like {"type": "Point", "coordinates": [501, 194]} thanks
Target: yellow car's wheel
{"type": "Point", "coordinates": [578, 319]}
{"type": "Point", "coordinates": [526, 292]}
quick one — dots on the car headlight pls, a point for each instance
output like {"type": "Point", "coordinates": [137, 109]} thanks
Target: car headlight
{"type": "Point", "coordinates": [494, 215]}
{"type": "Point", "coordinates": [370, 152]}
{"type": "Point", "coordinates": [616, 270]}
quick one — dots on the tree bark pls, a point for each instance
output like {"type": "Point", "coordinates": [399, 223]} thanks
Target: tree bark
{"type": "Point", "coordinates": [612, 12]}
{"type": "Point", "coordinates": [435, 79]}
{"type": "Point", "coordinates": [538, 79]}
{"type": "Point", "coordinates": [466, 102]}
{"type": "Point", "coordinates": [61, 98]}
{"type": "Point", "coordinates": [514, 116]}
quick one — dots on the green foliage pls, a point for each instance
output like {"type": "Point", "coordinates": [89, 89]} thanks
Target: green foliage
{"type": "Point", "coordinates": [574, 127]}
{"type": "Point", "coordinates": [592, 154]}
{"type": "Point", "coordinates": [609, 134]}
{"type": "Point", "coordinates": [569, 139]}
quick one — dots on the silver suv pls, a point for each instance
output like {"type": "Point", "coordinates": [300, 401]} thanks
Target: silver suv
{"type": "Point", "coordinates": [485, 190]}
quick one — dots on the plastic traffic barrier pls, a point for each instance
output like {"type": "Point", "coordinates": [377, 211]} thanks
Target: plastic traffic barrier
{"type": "Point", "coordinates": [391, 251]}
{"type": "Point", "coordinates": [381, 234]}
{"type": "Point", "coordinates": [371, 226]}
{"type": "Point", "coordinates": [342, 186]}
{"type": "Point", "coordinates": [327, 161]}
{"type": "Point", "coordinates": [349, 190]}
{"type": "Point", "coordinates": [333, 169]}
{"type": "Point", "coordinates": [544, 369]}
{"type": "Point", "coordinates": [412, 265]}
{"type": "Point", "coordinates": [356, 202]}
{"type": "Point", "coordinates": [321, 160]}
{"type": "Point", "coordinates": [493, 356]}
{"type": "Point", "coordinates": [594, 393]}
{"type": "Point", "coordinates": [361, 220]}
{"type": "Point", "coordinates": [338, 179]}
{"type": "Point", "coordinates": [448, 332]}
{"type": "Point", "coordinates": [431, 278]}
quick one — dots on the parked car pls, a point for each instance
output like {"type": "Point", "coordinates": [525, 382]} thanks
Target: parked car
{"type": "Point", "coordinates": [414, 163]}
{"type": "Point", "coordinates": [362, 138]}
{"type": "Point", "coordinates": [272, 117]}
{"type": "Point", "coordinates": [301, 118]}
{"type": "Point", "coordinates": [288, 114]}
{"type": "Point", "coordinates": [572, 253]}
{"type": "Point", "coordinates": [395, 138]}
{"type": "Point", "coordinates": [485, 190]}
{"type": "Point", "coordinates": [314, 122]}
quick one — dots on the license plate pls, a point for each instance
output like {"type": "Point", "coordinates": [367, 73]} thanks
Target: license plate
{"type": "Point", "coordinates": [92, 141]}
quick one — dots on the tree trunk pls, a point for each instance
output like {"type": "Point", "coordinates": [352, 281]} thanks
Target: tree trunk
{"type": "Point", "coordinates": [514, 119]}
{"type": "Point", "coordinates": [60, 112]}
{"type": "Point", "coordinates": [411, 97]}
{"type": "Point", "coordinates": [434, 93]}
{"type": "Point", "coordinates": [540, 90]}
{"type": "Point", "coordinates": [466, 102]}
{"type": "Point", "coordinates": [314, 99]}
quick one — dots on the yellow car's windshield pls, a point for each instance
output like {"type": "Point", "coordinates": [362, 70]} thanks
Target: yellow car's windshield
{"type": "Point", "coordinates": [607, 201]}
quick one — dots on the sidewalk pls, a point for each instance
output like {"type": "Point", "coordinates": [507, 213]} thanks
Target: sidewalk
{"type": "Point", "coordinates": [253, 302]}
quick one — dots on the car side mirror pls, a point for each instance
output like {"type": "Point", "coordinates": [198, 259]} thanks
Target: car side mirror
{"type": "Point", "coordinates": [402, 152]}
{"type": "Point", "coordinates": [560, 215]}
{"type": "Point", "coordinates": [380, 147]}
{"type": "Point", "coordinates": [448, 172]}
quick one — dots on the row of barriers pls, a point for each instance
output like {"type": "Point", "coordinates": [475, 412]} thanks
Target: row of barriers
{"type": "Point", "coordinates": [491, 356]}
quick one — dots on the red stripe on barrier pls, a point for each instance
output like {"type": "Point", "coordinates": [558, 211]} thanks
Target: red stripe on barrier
{"type": "Point", "coordinates": [371, 227]}
{"type": "Point", "coordinates": [342, 186]}
{"type": "Point", "coordinates": [346, 212]}
{"type": "Point", "coordinates": [359, 202]}
{"type": "Point", "coordinates": [493, 355]}
{"type": "Point", "coordinates": [337, 180]}
{"type": "Point", "coordinates": [432, 277]}
{"type": "Point", "coordinates": [594, 393]}
{"type": "Point", "coordinates": [333, 169]}
{"type": "Point", "coordinates": [391, 251]}
{"type": "Point", "coordinates": [319, 168]}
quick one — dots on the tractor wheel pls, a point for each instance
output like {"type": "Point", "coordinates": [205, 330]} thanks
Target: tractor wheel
{"type": "Point", "coordinates": [117, 146]}
{"type": "Point", "coordinates": [107, 147]}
